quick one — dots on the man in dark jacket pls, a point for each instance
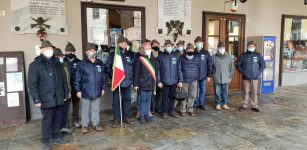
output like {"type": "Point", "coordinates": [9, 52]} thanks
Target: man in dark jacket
{"type": "Point", "coordinates": [144, 81]}
{"type": "Point", "coordinates": [65, 110]}
{"type": "Point", "coordinates": [71, 60]}
{"type": "Point", "coordinates": [126, 84]}
{"type": "Point", "coordinates": [157, 99]}
{"type": "Point", "coordinates": [250, 64]}
{"type": "Point", "coordinates": [180, 48]}
{"type": "Point", "coordinates": [90, 85]}
{"type": "Point", "coordinates": [190, 72]}
{"type": "Point", "coordinates": [205, 71]}
{"type": "Point", "coordinates": [48, 89]}
{"type": "Point", "coordinates": [170, 76]}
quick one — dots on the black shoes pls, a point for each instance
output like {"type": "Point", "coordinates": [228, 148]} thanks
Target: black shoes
{"type": "Point", "coordinates": [255, 109]}
{"type": "Point", "coordinates": [202, 108]}
{"type": "Point", "coordinates": [59, 141]}
{"type": "Point", "coordinates": [242, 109]}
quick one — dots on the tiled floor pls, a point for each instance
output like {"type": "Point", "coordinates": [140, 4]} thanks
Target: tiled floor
{"type": "Point", "coordinates": [281, 125]}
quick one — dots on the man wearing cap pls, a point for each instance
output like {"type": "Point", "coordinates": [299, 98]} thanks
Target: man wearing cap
{"type": "Point", "coordinates": [180, 48]}
{"type": "Point", "coordinates": [48, 89]}
{"type": "Point", "coordinates": [180, 51]}
{"type": "Point", "coordinates": [71, 60]}
{"type": "Point", "coordinates": [170, 77]}
{"type": "Point", "coordinates": [156, 46]}
{"type": "Point", "coordinates": [250, 64]}
{"type": "Point", "coordinates": [205, 71]}
{"type": "Point", "coordinates": [222, 74]}
{"type": "Point", "coordinates": [64, 121]}
{"type": "Point", "coordinates": [145, 42]}
{"type": "Point", "coordinates": [157, 99]}
{"type": "Point", "coordinates": [90, 84]}
{"type": "Point", "coordinates": [190, 69]}
{"type": "Point", "coordinates": [126, 84]}
{"type": "Point", "coordinates": [144, 80]}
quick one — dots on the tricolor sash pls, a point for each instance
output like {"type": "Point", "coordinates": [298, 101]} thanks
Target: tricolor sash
{"type": "Point", "coordinates": [150, 68]}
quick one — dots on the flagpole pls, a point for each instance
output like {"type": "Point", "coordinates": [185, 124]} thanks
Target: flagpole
{"type": "Point", "coordinates": [120, 107]}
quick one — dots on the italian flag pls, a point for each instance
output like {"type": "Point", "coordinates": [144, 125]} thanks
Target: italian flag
{"type": "Point", "coordinates": [118, 69]}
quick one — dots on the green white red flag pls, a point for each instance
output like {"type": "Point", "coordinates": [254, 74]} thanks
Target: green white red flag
{"type": "Point", "coordinates": [118, 69]}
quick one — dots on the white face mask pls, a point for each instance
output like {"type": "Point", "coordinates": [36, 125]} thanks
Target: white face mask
{"type": "Point", "coordinates": [91, 55]}
{"type": "Point", "coordinates": [48, 53]}
{"type": "Point", "coordinates": [222, 50]}
{"type": "Point", "coordinates": [148, 52]}
{"type": "Point", "coordinates": [61, 59]}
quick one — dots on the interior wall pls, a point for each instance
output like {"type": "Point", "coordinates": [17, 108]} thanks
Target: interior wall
{"type": "Point", "coordinates": [263, 18]}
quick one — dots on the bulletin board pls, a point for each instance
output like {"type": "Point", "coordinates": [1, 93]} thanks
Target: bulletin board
{"type": "Point", "coordinates": [12, 88]}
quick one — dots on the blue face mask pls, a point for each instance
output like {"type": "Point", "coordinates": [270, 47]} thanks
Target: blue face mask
{"type": "Point", "coordinates": [251, 49]}
{"type": "Point", "coordinates": [199, 46]}
{"type": "Point", "coordinates": [180, 49]}
{"type": "Point", "coordinates": [169, 49]}
{"type": "Point", "coordinates": [61, 59]}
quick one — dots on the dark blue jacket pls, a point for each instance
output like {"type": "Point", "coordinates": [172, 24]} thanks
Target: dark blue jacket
{"type": "Point", "coordinates": [205, 64]}
{"type": "Point", "coordinates": [72, 66]}
{"type": "Point", "coordinates": [142, 77]}
{"type": "Point", "coordinates": [170, 68]}
{"type": "Point", "coordinates": [190, 69]}
{"type": "Point", "coordinates": [250, 65]}
{"type": "Point", "coordinates": [90, 78]}
{"type": "Point", "coordinates": [128, 62]}
{"type": "Point", "coordinates": [47, 82]}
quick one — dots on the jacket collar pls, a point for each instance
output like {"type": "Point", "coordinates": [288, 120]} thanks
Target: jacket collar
{"type": "Point", "coordinates": [220, 55]}
{"type": "Point", "coordinates": [89, 61]}
{"type": "Point", "coordinates": [45, 60]}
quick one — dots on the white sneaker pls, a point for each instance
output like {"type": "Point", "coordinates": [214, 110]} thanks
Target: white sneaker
{"type": "Point", "coordinates": [150, 114]}
{"type": "Point", "coordinates": [65, 130]}
{"type": "Point", "coordinates": [225, 107]}
{"type": "Point", "coordinates": [218, 107]}
{"type": "Point", "coordinates": [77, 124]}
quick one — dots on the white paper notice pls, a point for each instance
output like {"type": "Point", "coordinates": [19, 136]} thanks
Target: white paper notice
{"type": "Point", "coordinates": [12, 99]}
{"type": "Point", "coordinates": [11, 64]}
{"type": "Point", "coordinates": [2, 89]}
{"type": "Point", "coordinates": [14, 82]}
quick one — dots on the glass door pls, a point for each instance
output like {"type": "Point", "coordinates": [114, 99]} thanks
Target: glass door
{"type": "Point", "coordinates": [227, 28]}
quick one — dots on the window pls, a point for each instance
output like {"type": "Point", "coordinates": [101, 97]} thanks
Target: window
{"type": "Point", "coordinates": [295, 44]}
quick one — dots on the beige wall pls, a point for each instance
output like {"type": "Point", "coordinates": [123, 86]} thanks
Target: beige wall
{"type": "Point", "coordinates": [264, 19]}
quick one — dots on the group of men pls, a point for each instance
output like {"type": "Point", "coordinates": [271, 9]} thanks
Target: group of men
{"type": "Point", "coordinates": [56, 80]}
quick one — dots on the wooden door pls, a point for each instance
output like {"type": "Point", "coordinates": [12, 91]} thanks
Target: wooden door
{"type": "Point", "coordinates": [228, 28]}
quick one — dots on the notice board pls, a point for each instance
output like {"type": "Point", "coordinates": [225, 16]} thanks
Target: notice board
{"type": "Point", "coordinates": [12, 88]}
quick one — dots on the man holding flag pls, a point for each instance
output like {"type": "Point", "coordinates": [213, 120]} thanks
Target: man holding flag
{"type": "Point", "coordinates": [144, 81]}
{"type": "Point", "coordinates": [120, 68]}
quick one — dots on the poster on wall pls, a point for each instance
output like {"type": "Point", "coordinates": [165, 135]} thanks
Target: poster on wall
{"type": "Point", "coordinates": [12, 99]}
{"type": "Point", "coordinates": [14, 82]}
{"type": "Point", "coordinates": [11, 64]}
{"type": "Point", "coordinates": [174, 10]}
{"type": "Point", "coordinates": [28, 15]}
